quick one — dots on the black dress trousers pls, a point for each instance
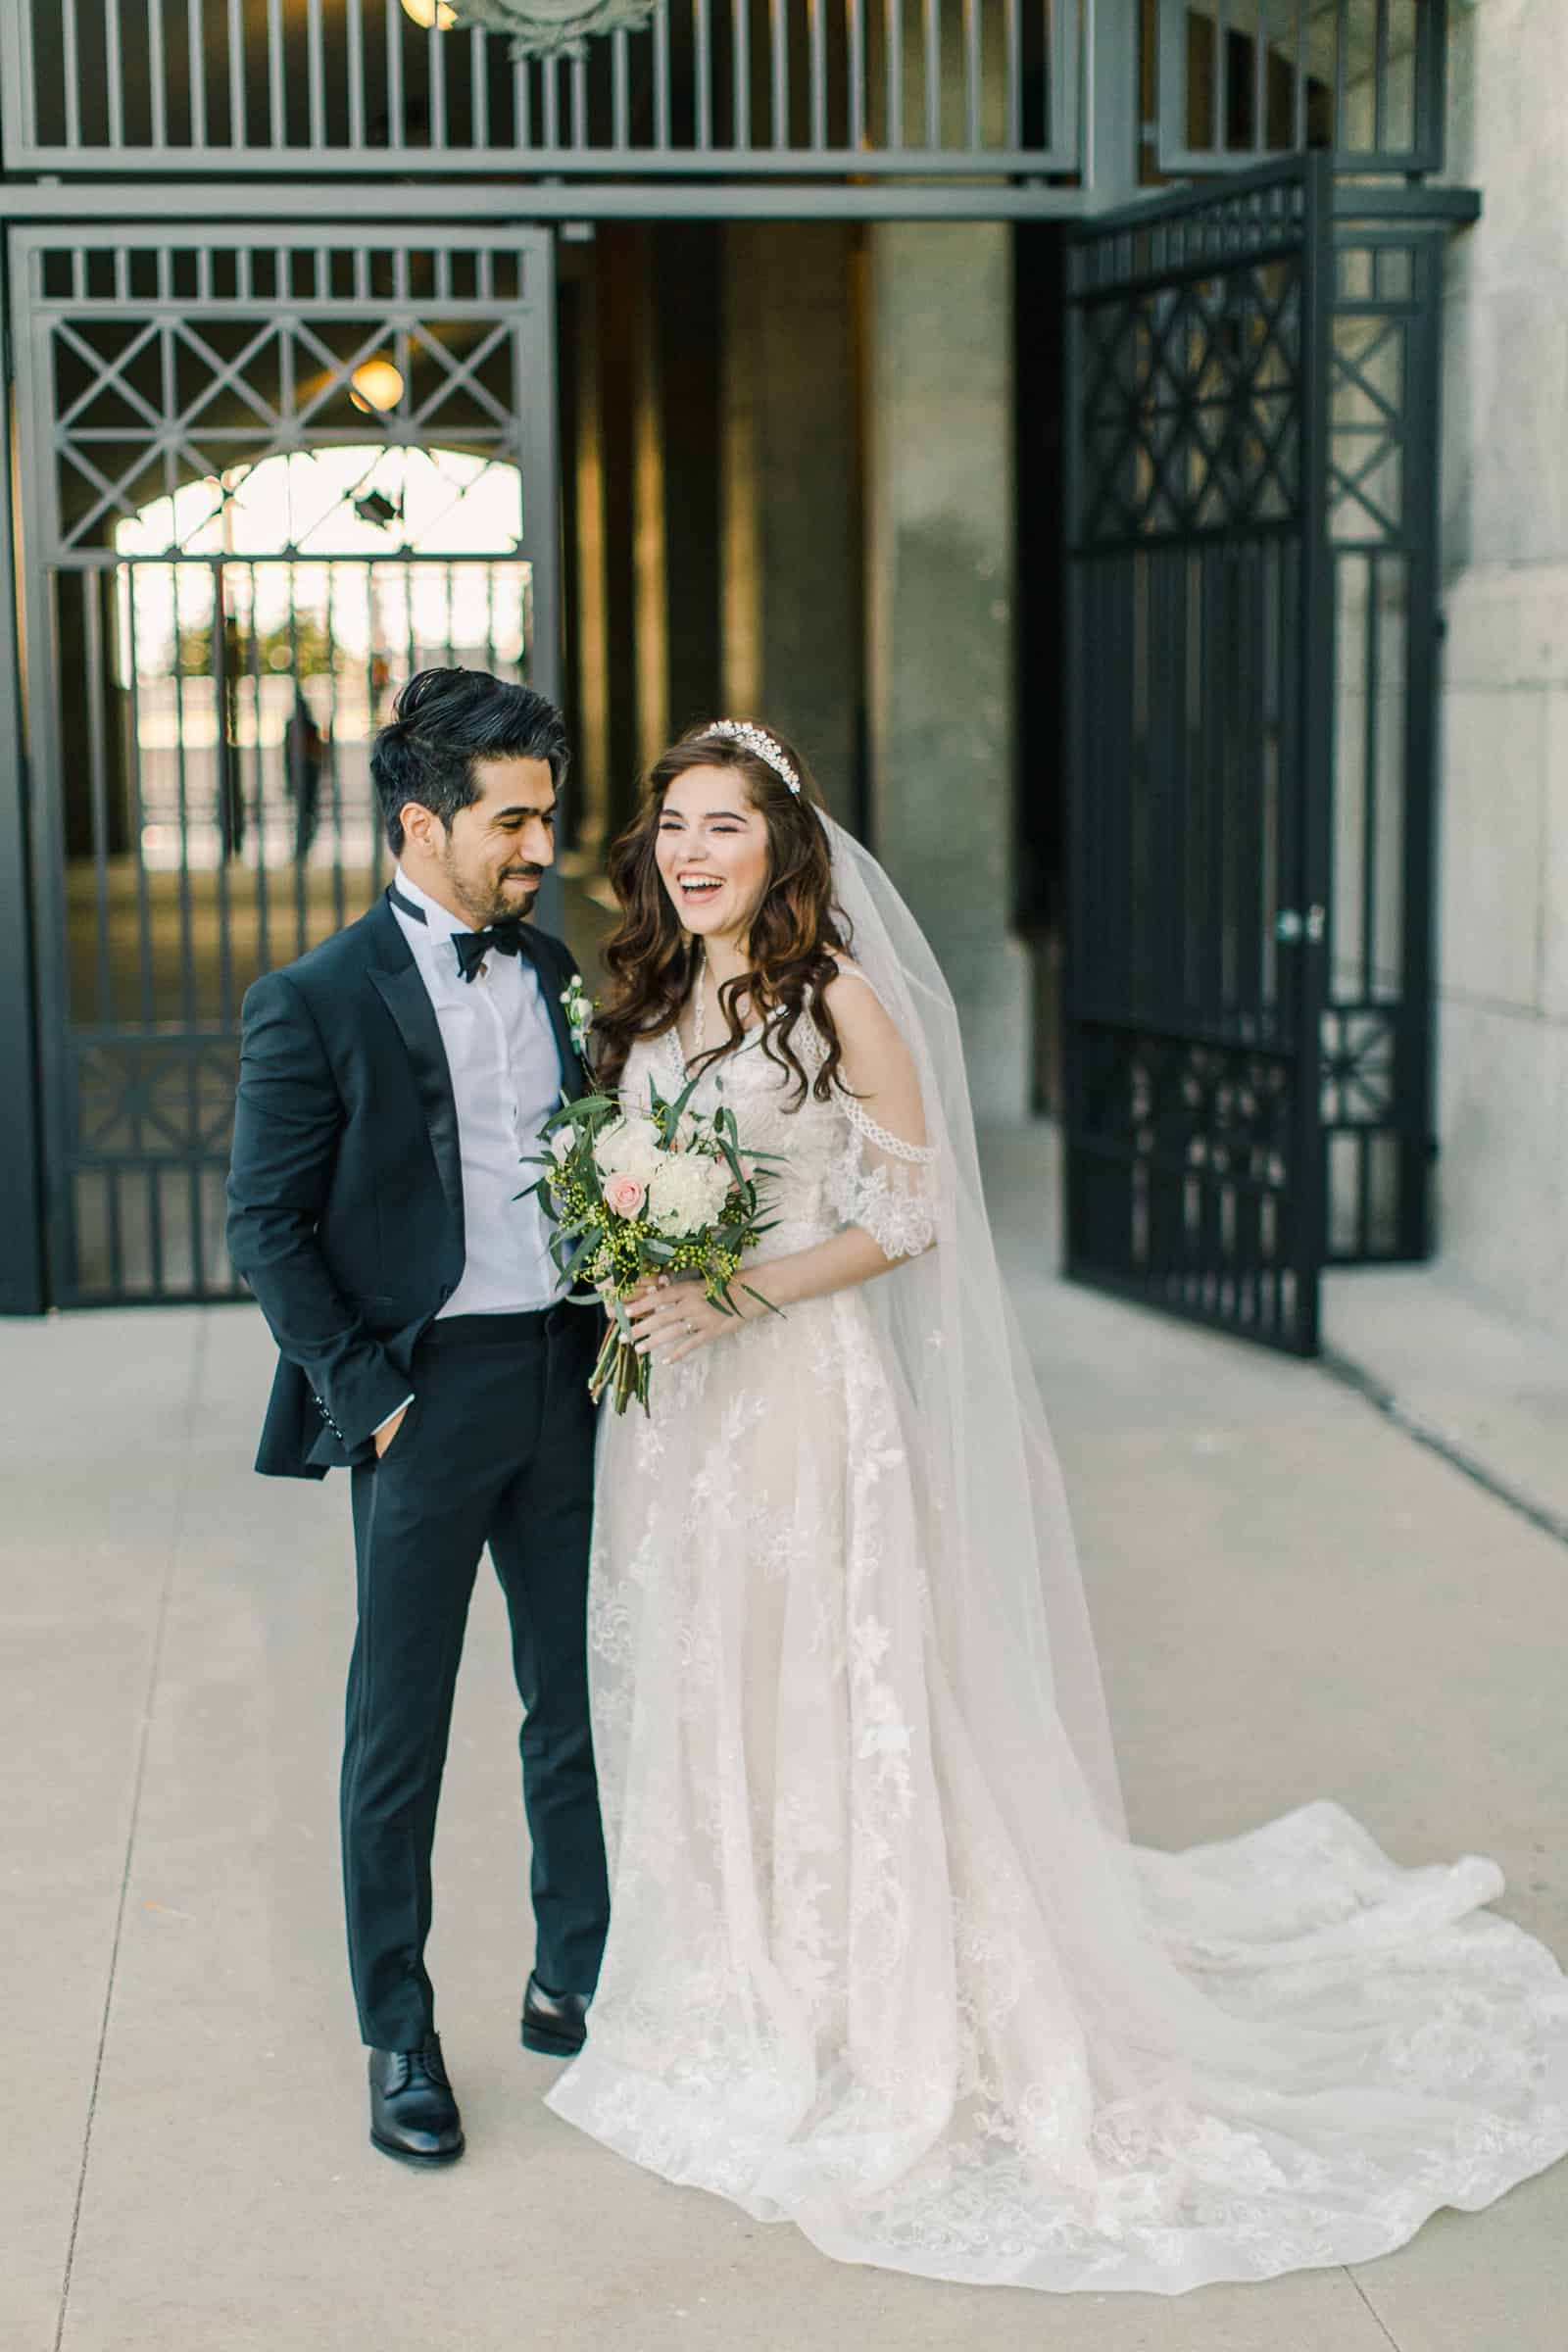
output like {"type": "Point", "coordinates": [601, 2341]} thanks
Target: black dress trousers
{"type": "Point", "coordinates": [497, 1448]}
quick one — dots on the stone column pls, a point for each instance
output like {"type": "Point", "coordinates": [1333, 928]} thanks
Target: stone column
{"type": "Point", "coordinates": [1503, 930]}
{"type": "Point", "coordinates": [941, 503]}
{"type": "Point", "coordinates": [793, 608]}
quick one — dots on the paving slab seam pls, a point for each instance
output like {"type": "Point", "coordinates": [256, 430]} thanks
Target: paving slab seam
{"type": "Point", "coordinates": [1373, 2313]}
{"type": "Point", "coordinates": [1382, 1398]}
{"type": "Point", "coordinates": [154, 1664]}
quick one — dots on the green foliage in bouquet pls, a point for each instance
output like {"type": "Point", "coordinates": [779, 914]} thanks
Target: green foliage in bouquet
{"type": "Point", "coordinates": [633, 1195]}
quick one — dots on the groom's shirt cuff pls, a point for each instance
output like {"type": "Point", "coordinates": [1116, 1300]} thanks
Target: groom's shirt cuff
{"type": "Point", "coordinates": [392, 1416]}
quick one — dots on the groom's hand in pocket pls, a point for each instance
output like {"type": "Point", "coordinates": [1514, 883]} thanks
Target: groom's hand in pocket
{"type": "Point", "coordinates": [389, 1428]}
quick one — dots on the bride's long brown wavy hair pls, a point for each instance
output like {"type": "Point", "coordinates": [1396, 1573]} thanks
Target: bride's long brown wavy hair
{"type": "Point", "coordinates": [795, 934]}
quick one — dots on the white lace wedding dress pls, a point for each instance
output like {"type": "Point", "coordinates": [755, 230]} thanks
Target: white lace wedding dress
{"type": "Point", "coordinates": [845, 1986]}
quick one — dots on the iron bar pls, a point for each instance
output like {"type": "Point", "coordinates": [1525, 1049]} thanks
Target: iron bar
{"type": "Point", "coordinates": [1341, 62]}
{"type": "Point", "coordinates": [157, 75]}
{"type": "Point", "coordinates": [294, 761]}
{"type": "Point", "coordinates": [816, 70]}
{"type": "Point", "coordinates": [1012, 39]}
{"type": "Point", "coordinates": [479, 91]}
{"type": "Point", "coordinates": [893, 35]}
{"type": "Point", "coordinates": [114, 74]}
{"type": "Point", "coordinates": [239, 126]}
{"type": "Point", "coordinates": [620, 72]}
{"type": "Point", "coordinates": [702, 71]}
{"type": "Point", "coordinates": [662, 130]}
{"type": "Point", "coordinates": [931, 20]}
{"type": "Point", "coordinates": [1380, 75]}
{"type": "Point", "coordinates": [435, 50]}
{"type": "Point", "coordinates": [353, 21]}
{"type": "Point", "coordinates": [394, 80]}
{"type": "Point", "coordinates": [98, 788]}
{"type": "Point", "coordinates": [1371, 669]}
{"type": "Point", "coordinates": [196, 69]}
{"type": "Point", "coordinates": [71, 67]}
{"type": "Point", "coordinates": [276, 79]}
{"type": "Point", "coordinates": [856, 135]}
{"type": "Point", "coordinates": [972, 71]}
{"type": "Point", "coordinates": [334, 732]}
{"type": "Point", "coordinates": [128, 578]}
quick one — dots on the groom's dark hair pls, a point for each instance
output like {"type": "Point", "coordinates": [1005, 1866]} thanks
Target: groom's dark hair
{"type": "Point", "coordinates": [442, 723]}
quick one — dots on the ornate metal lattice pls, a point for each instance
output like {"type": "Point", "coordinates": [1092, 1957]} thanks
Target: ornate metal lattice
{"type": "Point", "coordinates": [1197, 754]}
{"type": "Point", "coordinates": [1194, 1181]}
{"type": "Point", "coordinates": [1192, 413]}
{"type": "Point", "coordinates": [1253, 607]}
{"type": "Point", "coordinates": [261, 484]}
{"type": "Point", "coordinates": [1380, 490]}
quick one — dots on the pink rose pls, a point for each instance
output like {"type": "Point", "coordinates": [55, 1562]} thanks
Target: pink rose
{"type": "Point", "coordinates": [625, 1195]}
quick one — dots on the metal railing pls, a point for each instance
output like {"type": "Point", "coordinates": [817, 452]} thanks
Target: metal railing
{"type": "Point", "coordinates": [1242, 81]}
{"type": "Point", "coordinates": [735, 88]}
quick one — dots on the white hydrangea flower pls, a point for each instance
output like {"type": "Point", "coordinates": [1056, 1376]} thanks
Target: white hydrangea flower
{"type": "Point", "coordinates": [629, 1147]}
{"type": "Point", "coordinates": [687, 1192]}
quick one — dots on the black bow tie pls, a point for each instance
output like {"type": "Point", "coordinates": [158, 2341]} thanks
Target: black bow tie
{"type": "Point", "coordinates": [506, 938]}
{"type": "Point", "coordinates": [474, 945]}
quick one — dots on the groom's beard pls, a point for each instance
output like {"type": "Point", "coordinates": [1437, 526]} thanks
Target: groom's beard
{"type": "Point", "coordinates": [495, 904]}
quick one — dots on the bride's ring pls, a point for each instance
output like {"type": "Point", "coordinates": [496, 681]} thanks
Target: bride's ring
{"type": "Point", "coordinates": [691, 1326]}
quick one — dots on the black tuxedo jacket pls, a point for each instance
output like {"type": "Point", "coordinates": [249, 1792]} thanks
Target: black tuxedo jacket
{"type": "Point", "coordinates": [345, 1187]}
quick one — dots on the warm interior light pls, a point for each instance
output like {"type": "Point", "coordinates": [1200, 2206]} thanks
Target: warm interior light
{"type": "Point", "coordinates": [426, 12]}
{"type": "Point", "coordinates": [376, 384]}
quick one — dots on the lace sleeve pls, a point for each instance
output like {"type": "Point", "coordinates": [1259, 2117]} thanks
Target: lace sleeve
{"type": "Point", "coordinates": [885, 1178]}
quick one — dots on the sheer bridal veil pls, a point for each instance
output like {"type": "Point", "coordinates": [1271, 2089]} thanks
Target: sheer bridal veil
{"type": "Point", "coordinates": [1293, 1964]}
{"type": "Point", "coordinates": [1007, 1593]}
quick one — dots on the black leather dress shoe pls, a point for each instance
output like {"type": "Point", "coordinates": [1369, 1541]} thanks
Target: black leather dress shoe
{"type": "Point", "coordinates": [413, 2113]}
{"type": "Point", "coordinates": [553, 2023]}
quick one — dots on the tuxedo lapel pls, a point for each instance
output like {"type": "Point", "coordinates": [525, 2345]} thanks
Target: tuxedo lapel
{"type": "Point", "coordinates": [401, 987]}
{"type": "Point", "coordinates": [574, 1077]}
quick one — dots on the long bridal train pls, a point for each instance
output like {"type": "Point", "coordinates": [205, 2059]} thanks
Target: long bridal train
{"type": "Point", "coordinates": [882, 1960]}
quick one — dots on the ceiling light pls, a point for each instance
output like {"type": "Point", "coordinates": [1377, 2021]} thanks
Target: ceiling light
{"type": "Point", "coordinates": [375, 386]}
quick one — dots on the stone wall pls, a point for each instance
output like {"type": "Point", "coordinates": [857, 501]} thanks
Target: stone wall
{"type": "Point", "coordinates": [1502, 1038]}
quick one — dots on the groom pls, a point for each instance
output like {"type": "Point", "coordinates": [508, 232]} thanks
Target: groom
{"type": "Point", "coordinates": [391, 1083]}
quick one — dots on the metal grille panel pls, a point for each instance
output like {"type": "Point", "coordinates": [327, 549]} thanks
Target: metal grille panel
{"type": "Point", "coordinates": [737, 88]}
{"type": "Point", "coordinates": [1195, 762]}
{"type": "Point", "coordinates": [233, 555]}
{"type": "Point", "coordinates": [1242, 80]}
{"type": "Point", "coordinates": [1381, 490]}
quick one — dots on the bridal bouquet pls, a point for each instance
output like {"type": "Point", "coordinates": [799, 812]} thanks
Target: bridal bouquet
{"type": "Point", "coordinates": [637, 1195]}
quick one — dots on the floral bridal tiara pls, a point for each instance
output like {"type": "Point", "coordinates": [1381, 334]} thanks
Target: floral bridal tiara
{"type": "Point", "coordinates": [758, 740]}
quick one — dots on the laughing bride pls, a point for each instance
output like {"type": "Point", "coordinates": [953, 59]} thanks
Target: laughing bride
{"type": "Point", "coordinates": [882, 1961]}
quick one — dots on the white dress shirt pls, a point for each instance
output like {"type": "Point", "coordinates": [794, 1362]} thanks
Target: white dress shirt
{"type": "Point", "coordinates": [505, 1080]}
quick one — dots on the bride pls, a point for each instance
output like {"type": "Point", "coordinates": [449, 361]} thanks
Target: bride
{"type": "Point", "coordinates": [882, 1961]}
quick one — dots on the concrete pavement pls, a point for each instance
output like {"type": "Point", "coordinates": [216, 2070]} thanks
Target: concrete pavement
{"type": "Point", "coordinates": [1293, 1597]}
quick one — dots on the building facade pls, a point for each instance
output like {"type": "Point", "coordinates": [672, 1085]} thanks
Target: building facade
{"type": "Point", "coordinates": [1033, 409]}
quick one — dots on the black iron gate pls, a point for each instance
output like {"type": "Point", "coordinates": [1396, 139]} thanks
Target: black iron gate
{"type": "Point", "coordinates": [1198, 834]}
{"type": "Point", "coordinates": [263, 478]}
{"type": "Point", "coordinates": [1253, 561]}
